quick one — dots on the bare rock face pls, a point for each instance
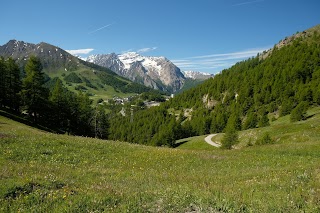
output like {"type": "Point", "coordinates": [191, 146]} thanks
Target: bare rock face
{"type": "Point", "coordinates": [155, 72]}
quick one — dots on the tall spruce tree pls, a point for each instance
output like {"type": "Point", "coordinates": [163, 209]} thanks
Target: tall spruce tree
{"type": "Point", "coordinates": [300, 112]}
{"type": "Point", "coordinates": [84, 115]}
{"type": "Point", "coordinates": [230, 137]}
{"type": "Point", "coordinates": [100, 122]}
{"type": "Point", "coordinates": [3, 74]}
{"type": "Point", "coordinates": [34, 95]}
{"type": "Point", "coordinates": [59, 104]}
{"type": "Point", "coordinates": [13, 84]}
{"type": "Point", "coordinates": [263, 118]}
{"type": "Point", "coordinates": [251, 120]}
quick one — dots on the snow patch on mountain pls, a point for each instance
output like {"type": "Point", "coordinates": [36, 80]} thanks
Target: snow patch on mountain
{"type": "Point", "coordinates": [155, 72]}
{"type": "Point", "coordinates": [196, 75]}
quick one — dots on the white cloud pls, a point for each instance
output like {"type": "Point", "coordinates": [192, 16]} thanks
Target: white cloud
{"type": "Point", "coordinates": [216, 62]}
{"type": "Point", "coordinates": [233, 55]}
{"type": "Point", "coordinates": [147, 49]}
{"type": "Point", "coordinates": [80, 51]}
{"type": "Point", "coordinates": [126, 51]}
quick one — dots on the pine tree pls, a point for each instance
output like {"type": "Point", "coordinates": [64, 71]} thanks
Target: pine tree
{"type": "Point", "coordinates": [34, 95]}
{"type": "Point", "coordinates": [59, 104]}
{"type": "Point", "coordinates": [234, 122]}
{"type": "Point", "coordinates": [263, 120]}
{"type": "Point", "coordinates": [100, 120]}
{"type": "Point", "coordinates": [300, 112]}
{"type": "Point", "coordinates": [84, 115]}
{"type": "Point", "coordinates": [3, 87]}
{"type": "Point", "coordinates": [230, 137]}
{"type": "Point", "coordinates": [13, 83]}
{"type": "Point", "coordinates": [251, 121]}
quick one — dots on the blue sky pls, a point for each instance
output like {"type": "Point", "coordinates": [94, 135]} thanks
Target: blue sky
{"type": "Point", "coordinates": [202, 35]}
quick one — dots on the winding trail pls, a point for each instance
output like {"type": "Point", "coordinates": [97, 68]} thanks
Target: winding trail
{"type": "Point", "coordinates": [209, 141]}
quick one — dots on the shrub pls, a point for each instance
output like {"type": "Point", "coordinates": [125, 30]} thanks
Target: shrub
{"type": "Point", "coordinates": [265, 139]}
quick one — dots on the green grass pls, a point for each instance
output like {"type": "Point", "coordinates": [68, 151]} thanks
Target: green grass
{"type": "Point", "coordinates": [194, 143]}
{"type": "Point", "coordinates": [283, 131]}
{"type": "Point", "coordinates": [45, 172]}
{"type": "Point", "coordinates": [107, 92]}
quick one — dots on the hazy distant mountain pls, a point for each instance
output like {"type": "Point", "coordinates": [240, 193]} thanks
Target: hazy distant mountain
{"type": "Point", "coordinates": [195, 75]}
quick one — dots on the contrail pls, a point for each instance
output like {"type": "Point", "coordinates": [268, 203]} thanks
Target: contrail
{"type": "Point", "coordinates": [249, 2]}
{"type": "Point", "coordinates": [101, 28]}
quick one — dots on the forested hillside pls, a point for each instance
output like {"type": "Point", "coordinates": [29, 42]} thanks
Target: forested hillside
{"type": "Point", "coordinates": [275, 83]}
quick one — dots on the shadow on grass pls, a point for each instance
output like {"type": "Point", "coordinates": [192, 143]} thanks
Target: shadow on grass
{"type": "Point", "coordinates": [19, 118]}
{"type": "Point", "coordinates": [180, 143]}
{"type": "Point", "coordinates": [309, 116]}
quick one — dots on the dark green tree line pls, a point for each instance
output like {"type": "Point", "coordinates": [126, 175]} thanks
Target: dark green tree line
{"type": "Point", "coordinates": [10, 84]}
{"type": "Point", "coordinates": [55, 106]}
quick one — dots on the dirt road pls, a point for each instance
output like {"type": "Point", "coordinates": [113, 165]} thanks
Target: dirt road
{"type": "Point", "coordinates": [209, 141]}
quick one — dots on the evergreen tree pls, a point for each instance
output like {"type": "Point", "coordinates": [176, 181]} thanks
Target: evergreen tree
{"type": "Point", "coordinates": [234, 122]}
{"type": "Point", "coordinates": [286, 107]}
{"type": "Point", "coordinates": [3, 86]}
{"type": "Point", "coordinates": [251, 121]}
{"type": "Point", "coordinates": [34, 95]}
{"type": "Point", "coordinates": [100, 120]}
{"type": "Point", "coordinates": [300, 112]}
{"type": "Point", "coordinates": [230, 137]}
{"type": "Point", "coordinates": [13, 84]}
{"type": "Point", "coordinates": [84, 115]}
{"type": "Point", "coordinates": [59, 104]}
{"type": "Point", "coordinates": [263, 118]}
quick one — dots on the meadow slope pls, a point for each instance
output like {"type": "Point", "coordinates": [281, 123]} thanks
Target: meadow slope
{"type": "Point", "coordinates": [45, 172]}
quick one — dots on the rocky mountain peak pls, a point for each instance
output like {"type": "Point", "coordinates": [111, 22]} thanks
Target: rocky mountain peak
{"type": "Point", "coordinates": [156, 72]}
{"type": "Point", "coordinates": [50, 56]}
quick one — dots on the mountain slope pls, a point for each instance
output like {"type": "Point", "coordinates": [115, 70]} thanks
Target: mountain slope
{"type": "Point", "coordinates": [96, 80]}
{"type": "Point", "coordinates": [287, 64]}
{"type": "Point", "coordinates": [246, 96]}
{"type": "Point", "coordinates": [154, 72]}
{"type": "Point", "coordinates": [272, 85]}
{"type": "Point", "coordinates": [51, 57]}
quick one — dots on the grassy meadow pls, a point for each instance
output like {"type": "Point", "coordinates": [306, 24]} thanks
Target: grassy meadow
{"type": "Point", "coordinates": [45, 172]}
{"type": "Point", "coordinates": [100, 91]}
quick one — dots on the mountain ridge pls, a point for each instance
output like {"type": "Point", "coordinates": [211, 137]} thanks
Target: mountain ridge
{"type": "Point", "coordinates": [58, 63]}
{"type": "Point", "coordinates": [196, 75]}
{"type": "Point", "coordinates": [155, 72]}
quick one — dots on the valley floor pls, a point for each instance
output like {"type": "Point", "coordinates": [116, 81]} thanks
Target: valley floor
{"type": "Point", "coordinates": [45, 172]}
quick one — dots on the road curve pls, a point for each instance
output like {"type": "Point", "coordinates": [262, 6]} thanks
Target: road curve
{"type": "Point", "coordinates": [209, 141]}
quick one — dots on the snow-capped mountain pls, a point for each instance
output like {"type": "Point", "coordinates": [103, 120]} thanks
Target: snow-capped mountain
{"type": "Point", "coordinates": [197, 75]}
{"type": "Point", "coordinates": [156, 72]}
